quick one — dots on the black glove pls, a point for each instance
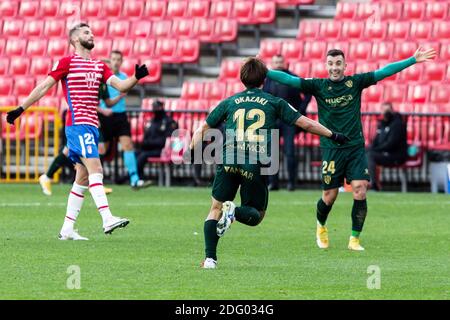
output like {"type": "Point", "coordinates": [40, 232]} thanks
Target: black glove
{"type": "Point", "coordinates": [140, 71]}
{"type": "Point", "coordinates": [339, 138]}
{"type": "Point", "coordinates": [14, 114]}
{"type": "Point", "coordinates": [188, 156]}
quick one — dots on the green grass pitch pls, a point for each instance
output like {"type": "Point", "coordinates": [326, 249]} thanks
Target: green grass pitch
{"type": "Point", "coordinates": [158, 255]}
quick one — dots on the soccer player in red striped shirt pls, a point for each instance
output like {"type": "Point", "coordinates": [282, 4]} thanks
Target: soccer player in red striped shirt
{"type": "Point", "coordinates": [80, 77]}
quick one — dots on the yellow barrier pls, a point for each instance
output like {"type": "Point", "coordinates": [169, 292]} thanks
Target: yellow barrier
{"type": "Point", "coordinates": [31, 128]}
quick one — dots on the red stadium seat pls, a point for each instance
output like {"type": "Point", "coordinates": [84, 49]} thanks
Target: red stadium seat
{"type": "Point", "coordinates": [28, 8]}
{"type": "Point", "coordinates": [445, 51]}
{"type": "Point", "coordinates": [124, 45]}
{"type": "Point", "coordinates": [225, 30]}
{"type": "Point", "coordinates": [269, 48]}
{"type": "Point", "coordinates": [373, 94]}
{"type": "Point", "coordinates": [40, 66]}
{"type": "Point", "coordinates": [48, 8]}
{"type": "Point", "coordinates": [230, 69]}
{"type": "Point", "coordinates": [198, 9]}
{"type": "Point", "coordinates": [434, 71]}
{"type": "Point", "coordinates": [8, 8]}
{"type": "Point", "coordinates": [23, 86]}
{"type": "Point", "coordinates": [390, 11]}
{"type": "Point", "coordinates": [52, 102]}
{"type": "Point", "coordinates": [12, 28]}
{"type": "Point", "coordinates": [177, 9]}
{"type": "Point", "coordinates": [418, 93]}
{"type": "Point", "coordinates": [420, 30]}
{"type": "Point", "coordinates": [398, 30]}
{"type": "Point", "coordinates": [118, 28]}
{"type": "Point", "coordinates": [128, 65]}
{"type": "Point", "coordinates": [376, 31]}
{"type": "Point", "coordinates": [6, 86]}
{"type": "Point", "coordinates": [144, 47]}
{"type": "Point", "coordinates": [15, 47]}
{"type": "Point", "coordinates": [99, 28]}
{"type": "Point", "coordinates": [292, 50]}
{"type": "Point", "coordinates": [360, 50]}
{"type": "Point", "coordinates": [395, 94]}
{"type": "Point", "coordinates": [192, 90]}
{"type": "Point", "coordinates": [166, 50]}
{"type": "Point", "coordinates": [220, 9]}
{"type": "Point", "coordinates": [2, 45]}
{"type": "Point", "coordinates": [346, 10]}
{"type": "Point", "coordinates": [91, 8]}
{"type": "Point", "coordinates": [439, 94]}
{"type": "Point", "coordinates": [413, 10]}
{"type": "Point", "coordinates": [330, 29]}
{"type": "Point", "coordinates": [319, 70]}
{"type": "Point", "coordinates": [57, 47]}
{"type": "Point", "coordinates": [155, 10]}
{"type": "Point", "coordinates": [37, 47]}
{"type": "Point", "coordinates": [141, 29]}
{"type": "Point", "coordinates": [233, 88]}
{"type": "Point", "coordinates": [382, 51]}
{"type": "Point", "coordinates": [188, 50]}
{"type": "Point", "coordinates": [350, 69]}
{"type": "Point", "coordinates": [314, 50]}
{"type": "Point", "coordinates": [404, 50]}
{"type": "Point", "coordinates": [53, 90]}
{"type": "Point", "coordinates": [242, 11]}
{"type": "Point", "coordinates": [33, 28]}
{"type": "Point", "coordinates": [161, 29]}
{"type": "Point", "coordinates": [19, 66]}
{"type": "Point", "coordinates": [112, 8]}
{"type": "Point", "coordinates": [367, 10]}
{"type": "Point", "coordinates": [301, 69]}
{"type": "Point", "coordinates": [4, 66]}
{"type": "Point", "coordinates": [214, 90]}
{"type": "Point", "coordinates": [102, 48]}
{"type": "Point", "coordinates": [413, 73]}
{"type": "Point", "coordinates": [154, 70]}
{"type": "Point", "coordinates": [351, 30]}
{"type": "Point", "coordinates": [7, 101]}
{"type": "Point", "coordinates": [133, 9]}
{"type": "Point", "coordinates": [204, 29]}
{"type": "Point", "coordinates": [264, 12]}
{"type": "Point", "coordinates": [69, 9]}
{"type": "Point", "coordinates": [442, 30]}
{"type": "Point", "coordinates": [55, 28]}
{"type": "Point", "coordinates": [308, 29]}
{"type": "Point", "coordinates": [341, 45]}
{"type": "Point", "coordinates": [183, 28]}
{"type": "Point", "coordinates": [436, 10]}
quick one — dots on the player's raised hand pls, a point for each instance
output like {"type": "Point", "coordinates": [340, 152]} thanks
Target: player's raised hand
{"type": "Point", "coordinates": [14, 114]}
{"type": "Point", "coordinates": [140, 71]}
{"type": "Point", "coordinates": [424, 55]}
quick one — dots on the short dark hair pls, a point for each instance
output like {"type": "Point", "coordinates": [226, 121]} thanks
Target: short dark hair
{"type": "Point", "coordinates": [335, 53]}
{"type": "Point", "coordinates": [157, 104]}
{"type": "Point", "coordinates": [75, 28]}
{"type": "Point", "coordinates": [117, 52]}
{"type": "Point", "coordinates": [389, 104]}
{"type": "Point", "coordinates": [253, 73]}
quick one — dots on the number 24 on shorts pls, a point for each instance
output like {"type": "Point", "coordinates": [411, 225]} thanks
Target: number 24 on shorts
{"type": "Point", "coordinates": [328, 167]}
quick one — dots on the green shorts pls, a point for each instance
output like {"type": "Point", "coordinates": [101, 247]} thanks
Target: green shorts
{"type": "Point", "coordinates": [339, 163]}
{"type": "Point", "coordinates": [254, 192]}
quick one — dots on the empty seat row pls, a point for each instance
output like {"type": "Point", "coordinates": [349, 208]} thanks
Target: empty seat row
{"type": "Point", "coordinates": [394, 30]}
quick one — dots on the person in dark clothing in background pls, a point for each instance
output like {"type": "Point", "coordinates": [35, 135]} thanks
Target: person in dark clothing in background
{"type": "Point", "coordinates": [155, 135]}
{"type": "Point", "coordinates": [294, 98]}
{"type": "Point", "coordinates": [389, 146]}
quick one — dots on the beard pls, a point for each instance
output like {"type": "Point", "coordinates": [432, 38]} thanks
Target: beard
{"type": "Point", "coordinates": [87, 45]}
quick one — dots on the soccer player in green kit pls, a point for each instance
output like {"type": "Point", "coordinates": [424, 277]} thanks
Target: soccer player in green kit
{"type": "Point", "coordinates": [250, 116]}
{"type": "Point", "coordinates": [339, 104]}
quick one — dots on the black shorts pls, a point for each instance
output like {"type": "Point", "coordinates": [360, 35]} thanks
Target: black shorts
{"type": "Point", "coordinates": [114, 126]}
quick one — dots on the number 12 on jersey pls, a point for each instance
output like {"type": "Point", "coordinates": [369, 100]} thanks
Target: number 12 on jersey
{"type": "Point", "coordinates": [240, 116]}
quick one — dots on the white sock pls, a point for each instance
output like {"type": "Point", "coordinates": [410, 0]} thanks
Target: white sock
{"type": "Point", "coordinates": [74, 204]}
{"type": "Point", "coordinates": [99, 196]}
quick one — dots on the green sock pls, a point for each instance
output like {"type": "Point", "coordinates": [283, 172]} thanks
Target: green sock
{"type": "Point", "coordinates": [322, 211]}
{"type": "Point", "coordinates": [247, 215]}
{"type": "Point", "coordinates": [359, 213]}
{"type": "Point", "coordinates": [211, 238]}
{"type": "Point", "coordinates": [57, 163]}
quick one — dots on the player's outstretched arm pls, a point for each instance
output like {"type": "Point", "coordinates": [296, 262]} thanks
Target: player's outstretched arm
{"type": "Point", "coordinates": [316, 128]}
{"type": "Point", "coordinates": [127, 84]}
{"type": "Point", "coordinates": [284, 78]}
{"type": "Point", "coordinates": [34, 96]}
{"type": "Point", "coordinates": [419, 56]}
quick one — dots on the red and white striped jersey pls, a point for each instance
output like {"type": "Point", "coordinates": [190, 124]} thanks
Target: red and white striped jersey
{"type": "Point", "coordinates": [80, 80]}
